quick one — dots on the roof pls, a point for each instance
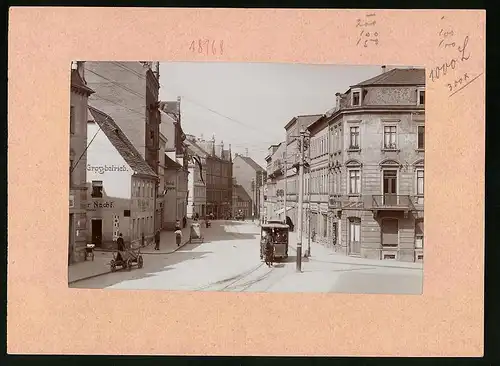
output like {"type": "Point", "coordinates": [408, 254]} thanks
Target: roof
{"type": "Point", "coordinates": [195, 148]}
{"type": "Point", "coordinates": [170, 163]}
{"type": "Point", "coordinates": [252, 163]}
{"type": "Point", "coordinates": [240, 192]}
{"type": "Point", "coordinates": [170, 108]}
{"type": "Point", "coordinates": [397, 77]}
{"type": "Point", "coordinates": [121, 143]}
{"type": "Point", "coordinates": [303, 120]}
{"type": "Point", "coordinates": [78, 83]}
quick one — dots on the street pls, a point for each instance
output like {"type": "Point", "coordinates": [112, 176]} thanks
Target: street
{"type": "Point", "coordinates": [228, 260]}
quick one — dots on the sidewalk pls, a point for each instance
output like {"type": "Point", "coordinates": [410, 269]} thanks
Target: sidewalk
{"type": "Point", "coordinates": [100, 266]}
{"type": "Point", "coordinates": [322, 253]}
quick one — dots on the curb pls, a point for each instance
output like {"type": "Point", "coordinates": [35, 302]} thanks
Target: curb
{"type": "Point", "coordinates": [107, 272]}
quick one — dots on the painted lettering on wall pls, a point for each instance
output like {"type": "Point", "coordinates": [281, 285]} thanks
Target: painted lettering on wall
{"type": "Point", "coordinates": [101, 169]}
{"type": "Point", "coordinates": [100, 204]}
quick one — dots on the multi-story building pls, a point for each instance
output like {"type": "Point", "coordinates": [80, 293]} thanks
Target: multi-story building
{"type": "Point", "coordinates": [122, 194]}
{"type": "Point", "coordinates": [275, 183]}
{"type": "Point", "coordinates": [375, 168]}
{"type": "Point", "coordinates": [251, 176]}
{"type": "Point", "coordinates": [128, 92]}
{"type": "Point", "coordinates": [219, 178]}
{"type": "Point", "coordinates": [175, 190]}
{"type": "Point", "coordinates": [197, 197]}
{"type": "Point", "coordinates": [291, 161]}
{"type": "Point", "coordinates": [77, 164]}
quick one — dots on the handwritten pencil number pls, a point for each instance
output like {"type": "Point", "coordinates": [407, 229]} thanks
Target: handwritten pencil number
{"type": "Point", "coordinates": [206, 46]}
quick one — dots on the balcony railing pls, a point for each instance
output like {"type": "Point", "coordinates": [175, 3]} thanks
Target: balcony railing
{"type": "Point", "coordinates": [393, 202]}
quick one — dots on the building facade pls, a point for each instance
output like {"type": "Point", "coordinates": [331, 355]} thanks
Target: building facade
{"type": "Point", "coordinates": [121, 193]}
{"type": "Point", "coordinates": [375, 168]}
{"type": "Point", "coordinates": [275, 182]}
{"type": "Point", "coordinates": [219, 179]}
{"type": "Point", "coordinates": [197, 197]}
{"type": "Point", "coordinates": [176, 165]}
{"type": "Point", "coordinates": [251, 176]}
{"type": "Point", "coordinates": [77, 164]}
{"type": "Point", "coordinates": [291, 162]}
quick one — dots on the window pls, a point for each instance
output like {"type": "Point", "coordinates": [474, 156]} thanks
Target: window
{"type": "Point", "coordinates": [421, 138]}
{"type": "Point", "coordinates": [420, 186]}
{"type": "Point", "coordinates": [419, 234]}
{"type": "Point", "coordinates": [390, 232]}
{"type": "Point", "coordinates": [356, 98]}
{"type": "Point", "coordinates": [354, 138]}
{"type": "Point", "coordinates": [354, 181]}
{"type": "Point", "coordinates": [96, 189]}
{"type": "Point", "coordinates": [354, 230]}
{"type": "Point", "coordinates": [72, 122]}
{"type": "Point", "coordinates": [390, 137]}
{"type": "Point", "coordinates": [421, 97]}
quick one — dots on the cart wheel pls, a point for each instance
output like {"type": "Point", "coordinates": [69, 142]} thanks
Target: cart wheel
{"type": "Point", "coordinates": [140, 262]}
{"type": "Point", "coordinates": [129, 264]}
{"type": "Point", "coordinates": [113, 266]}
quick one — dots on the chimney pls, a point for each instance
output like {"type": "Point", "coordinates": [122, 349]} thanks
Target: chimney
{"type": "Point", "coordinates": [337, 101]}
{"type": "Point", "coordinates": [383, 68]}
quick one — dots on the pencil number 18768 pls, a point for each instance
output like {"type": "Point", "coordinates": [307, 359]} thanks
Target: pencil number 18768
{"type": "Point", "coordinates": [206, 46]}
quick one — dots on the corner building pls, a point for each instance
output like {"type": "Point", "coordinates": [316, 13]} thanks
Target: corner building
{"type": "Point", "coordinates": [374, 168]}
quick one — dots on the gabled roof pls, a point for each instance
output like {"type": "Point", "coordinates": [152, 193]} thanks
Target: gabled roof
{"type": "Point", "coordinates": [170, 163]}
{"type": "Point", "coordinates": [121, 143]}
{"type": "Point", "coordinates": [252, 163]}
{"type": "Point", "coordinates": [396, 77]}
{"type": "Point", "coordinates": [79, 84]}
{"type": "Point", "coordinates": [241, 193]}
{"type": "Point", "coordinates": [195, 148]}
{"type": "Point", "coordinates": [303, 120]}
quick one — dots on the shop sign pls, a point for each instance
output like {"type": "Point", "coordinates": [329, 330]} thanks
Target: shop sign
{"type": "Point", "coordinates": [101, 169]}
{"type": "Point", "coordinates": [100, 204]}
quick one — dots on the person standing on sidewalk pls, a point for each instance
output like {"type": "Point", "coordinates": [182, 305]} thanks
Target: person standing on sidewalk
{"type": "Point", "coordinates": [157, 240]}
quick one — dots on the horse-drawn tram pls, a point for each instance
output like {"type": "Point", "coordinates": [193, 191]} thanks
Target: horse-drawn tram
{"type": "Point", "coordinates": [278, 236]}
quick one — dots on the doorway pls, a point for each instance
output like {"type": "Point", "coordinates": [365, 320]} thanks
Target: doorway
{"type": "Point", "coordinates": [390, 187]}
{"type": "Point", "coordinates": [355, 236]}
{"type": "Point", "coordinates": [97, 232]}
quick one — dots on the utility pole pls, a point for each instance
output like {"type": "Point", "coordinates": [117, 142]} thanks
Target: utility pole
{"type": "Point", "coordinates": [308, 251]}
{"type": "Point", "coordinates": [285, 172]}
{"type": "Point", "coordinates": [301, 201]}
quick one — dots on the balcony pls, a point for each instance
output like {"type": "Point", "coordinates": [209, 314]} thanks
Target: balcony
{"type": "Point", "coordinates": [392, 202]}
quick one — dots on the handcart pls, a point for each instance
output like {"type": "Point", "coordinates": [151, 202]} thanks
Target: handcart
{"type": "Point", "coordinates": [195, 235]}
{"type": "Point", "coordinates": [126, 259]}
{"type": "Point", "coordinates": [89, 250]}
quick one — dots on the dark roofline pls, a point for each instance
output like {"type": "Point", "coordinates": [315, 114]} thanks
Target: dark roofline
{"type": "Point", "coordinates": [385, 75]}
{"type": "Point", "coordinates": [313, 124]}
{"type": "Point", "coordinates": [78, 83]}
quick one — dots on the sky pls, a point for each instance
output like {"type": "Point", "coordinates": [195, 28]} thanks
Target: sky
{"type": "Point", "coordinates": [248, 105]}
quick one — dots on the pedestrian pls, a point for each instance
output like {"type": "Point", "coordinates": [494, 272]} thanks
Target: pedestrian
{"type": "Point", "coordinates": [184, 222]}
{"type": "Point", "coordinates": [177, 225]}
{"type": "Point", "coordinates": [313, 234]}
{"type": "Point", "coordinates": [157, 240]}
{"type": "Point", "coordinates": [178, 237]}
{"type": "Point", "coordinates": [143, 240]}
{"type": "Point", "coordinates": [120, 243]}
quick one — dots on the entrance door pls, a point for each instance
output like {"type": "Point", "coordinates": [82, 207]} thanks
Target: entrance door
{"type": "Point", "coordinates": [390, 238]}
{"type": "Point", "coordinates": [355, 236]}
{"type": "Point", "coordinates": [97, 232]}
{"type": "Point", "coordinates": [390, 184]}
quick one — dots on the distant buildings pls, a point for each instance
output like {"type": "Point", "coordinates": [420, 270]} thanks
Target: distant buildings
{"type": "Point", "coordinates": [251, 176]}
{"type": "Point", "coordinates": [364, 183]}
{"type": "Point", "coordinates": [197, 197]}
{"type": "Point", "coordinates": [241, 201]}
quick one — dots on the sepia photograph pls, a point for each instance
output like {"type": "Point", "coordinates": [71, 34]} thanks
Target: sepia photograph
{"type": "Point", "coordinates": [246, 177]}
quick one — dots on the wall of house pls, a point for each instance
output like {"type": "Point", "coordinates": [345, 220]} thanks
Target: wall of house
{"type": "Point", "coordinates": [120, 91]}
{"type": "Point", "coordinates": [244, 175]}
{"type": "Point", "coordinates": [77, 213]}
{"type": "Point", "coordinates": [143, 209]}
{"type": "Point", "coordinates": [170, 198]}
{"type": "Point", "coordinates": [106, 164]}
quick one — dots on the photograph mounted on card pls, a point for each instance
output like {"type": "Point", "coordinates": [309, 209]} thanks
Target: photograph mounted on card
{"type": "Point", "coordinates": [240, 161]}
